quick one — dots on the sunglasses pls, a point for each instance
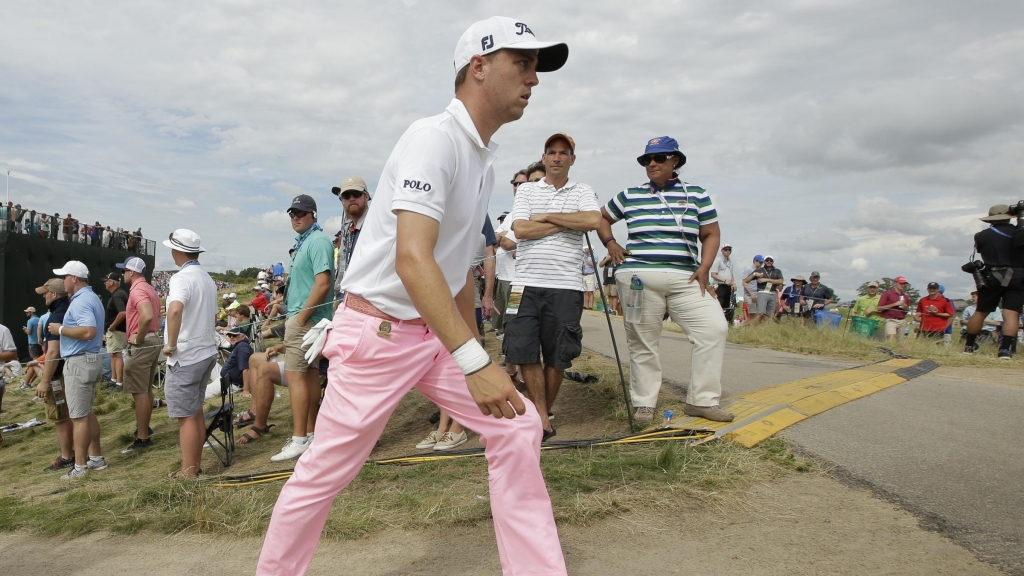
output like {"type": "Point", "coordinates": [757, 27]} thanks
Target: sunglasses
{"type": "Point", "coordinates": [660, 158]}
{"type": "Point", "coordinates": [727, 249]}
{"type": "Point", "coordinates": [296, 214]}
{"type": "Point", "coordinates": [515, 184]}
{"type": "Point", "coordinates": [350, 194]}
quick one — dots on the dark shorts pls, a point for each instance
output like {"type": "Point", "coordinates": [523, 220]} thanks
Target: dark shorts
{"type": "Point", "coordinates": [1008, 298]}
{"type": "Point", "coordinates": [35, 351]}
{"type": "Point", "coordinates": [548, 322]}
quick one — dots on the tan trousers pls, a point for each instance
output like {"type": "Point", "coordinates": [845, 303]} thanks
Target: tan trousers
{"type": "Point", "coordinates": [699, 315]}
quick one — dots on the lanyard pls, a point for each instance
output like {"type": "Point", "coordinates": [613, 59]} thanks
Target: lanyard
{"type": "Point", "coordinates": [305, 235]}
{"type": "Point", "coordinates": [679, 219]}
{"type": "Point", "coordinates": [189, 263]}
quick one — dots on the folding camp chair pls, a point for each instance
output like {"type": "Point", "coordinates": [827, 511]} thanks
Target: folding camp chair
{"type": "Point", "coordinates": [220, 436]}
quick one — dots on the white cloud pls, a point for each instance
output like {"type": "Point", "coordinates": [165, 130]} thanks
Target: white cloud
{"type": "Point", "coordinates": [228, 211]}
{"type": "Point", "coordinates": [827, 132]}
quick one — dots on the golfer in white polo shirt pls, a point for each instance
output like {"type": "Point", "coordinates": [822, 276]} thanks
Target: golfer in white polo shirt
{"type": "Point", "coordinates": [408, 317]}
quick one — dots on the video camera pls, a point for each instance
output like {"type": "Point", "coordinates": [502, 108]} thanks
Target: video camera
{"type": "Point", "coordinates": [1017, 211]}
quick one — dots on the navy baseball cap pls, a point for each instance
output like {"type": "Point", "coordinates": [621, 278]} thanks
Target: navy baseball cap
{"type": "Point", "coordinates": [303, 203]}
{"type": "Point", "coordinates": [663, 145]}
{"type": "Point", "coordinates": [758, 258]}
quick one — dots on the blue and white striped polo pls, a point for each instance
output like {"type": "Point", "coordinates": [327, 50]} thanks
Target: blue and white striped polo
{"type": "Point", "coordinates": [663, 228]}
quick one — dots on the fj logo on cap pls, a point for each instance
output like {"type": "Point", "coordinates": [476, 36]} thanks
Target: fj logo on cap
{"type": "Point", "coordinates": [416, 185]}
{"type": "Point", "coordinates": [487, 42]}
{"type": "Point", "coordinates": [654, 141]}
{"type": "Point", "coordinates": [523, 29]}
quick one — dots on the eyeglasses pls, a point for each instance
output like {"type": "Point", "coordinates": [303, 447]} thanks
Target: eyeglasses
{"type": "Point", "coordinates": [297, 214]}
{"type": "Point", "coordinates": [350, 194]}
{"type": "Point", "coordinates": [660, 158]}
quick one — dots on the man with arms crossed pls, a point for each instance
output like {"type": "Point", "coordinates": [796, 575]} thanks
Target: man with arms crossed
{"type": "Point", "coordinates": [189, 346]}
{"type": "Point", "coordinates": [143, 315]}
{"type": "Point", "coordinates": [80, 344]}
{"type": "Point", "coordinates": [400, 320]}
{"type": "Point", "coordinates": [549, 218]}
{"type": "Point", "coordinates": [309, 301]}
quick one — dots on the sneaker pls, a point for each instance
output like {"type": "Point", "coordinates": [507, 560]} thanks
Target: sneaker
{"type": "Point", "coordinates": [60, 463]}
{"type": "Point", "coordinates": [970, 349]}
{"type": "Point", "coordinates": [1005, 354]}
{"type": "Point", "coordinates": [548, 435]}
{"type": "Point", "coordinates": [707, 412]}
{"type": "Point", "coordinates": [138, 444]}
{"type": "Point", "coordinates": [100, 464]}
{"type": "Point", "coordinates": [22, 387]}
{"type": "Point", "coordinates": [429, 441]}
{"type": "Point", "coordinates": [449, 441]}
{"type": "Point", "coordinates": [644, 414]}
{"type": "Point", "coordinates": [75, 473]}
{"type": "Point", "coordinates": [291, 451]}
{"type": "Point", "coordinates": [499, 337]}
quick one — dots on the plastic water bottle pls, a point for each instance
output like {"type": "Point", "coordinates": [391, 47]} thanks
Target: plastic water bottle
{"type": "Point", "coordinates": [633, 302]}
{"type": "Point", "coordinates": [668, 416]}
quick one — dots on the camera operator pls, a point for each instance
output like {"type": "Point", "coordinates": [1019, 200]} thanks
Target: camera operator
{"type": "Point", "coordinates": [1003, 280]}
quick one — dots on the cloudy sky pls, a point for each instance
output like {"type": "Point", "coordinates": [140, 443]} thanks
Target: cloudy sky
{"type": "Point", "coordinates": [862, 139]}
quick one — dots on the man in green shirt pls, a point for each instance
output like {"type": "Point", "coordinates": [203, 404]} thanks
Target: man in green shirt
{"type": "Point", "coordinates": [309, 301]}
{"type": "Point", "coordinates": [867, 305]}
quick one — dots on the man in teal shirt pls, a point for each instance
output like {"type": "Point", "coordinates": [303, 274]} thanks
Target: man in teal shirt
{"type": "Point", "coordinates": [310, 278]}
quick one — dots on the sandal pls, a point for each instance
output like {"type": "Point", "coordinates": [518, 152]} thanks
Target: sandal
{"type": "Point", "coordinates": [244, 419]}
{"type": "Point", "coordinates": [248, 437]}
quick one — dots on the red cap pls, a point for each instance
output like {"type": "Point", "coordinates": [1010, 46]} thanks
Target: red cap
{"type": "Point", "coordinates": [900, 279]}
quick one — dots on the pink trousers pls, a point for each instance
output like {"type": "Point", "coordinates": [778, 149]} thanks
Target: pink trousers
{"type": "Point", "coordinates": [369, 374]}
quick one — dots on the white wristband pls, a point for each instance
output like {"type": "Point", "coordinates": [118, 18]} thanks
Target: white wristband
{"type": "Point", "coordinates": [471, 357]}
{"type": "Point", "coordinates": [60, 331]}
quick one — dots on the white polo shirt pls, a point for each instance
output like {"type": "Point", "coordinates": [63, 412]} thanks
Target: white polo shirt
{"type": "Point", "coordinates": [505, 264]}
{"type": "Point", "coordinates": [553, 261]}
{"type": "Point", "coordinates": [194, 288]}
{"type": "Point", "coordinates": [440, 168]}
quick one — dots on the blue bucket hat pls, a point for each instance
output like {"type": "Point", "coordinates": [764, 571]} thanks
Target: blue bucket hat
{"type": "Point", "coordinates": [663, 145]}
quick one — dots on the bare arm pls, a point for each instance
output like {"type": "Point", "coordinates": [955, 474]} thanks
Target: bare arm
{"type": "Point", "coordinates": [145, 310]}
{"type": "Point", "coordinates": [117, 320]}
{"type": "Point", "coordinates": [532, 230]}
{"type": "Point", "coordinates": [49, 367]}
{"type": "Point", "coordinates": [174, 311]}
{"type": "Point", "coordinates": [8, 356]}
{"type": "Point", "coordinates": [505, 242]}
{"type": "Point", "coordinates": [710, 237]}
{"type": "Point", "coordinates": [604, 231]}
{"type": "Point", "coordinates": [76, 333]}
{"type": "Point", "coordinates": [584, 221]}
{"type": "Point", "coordinates": [450, 319]}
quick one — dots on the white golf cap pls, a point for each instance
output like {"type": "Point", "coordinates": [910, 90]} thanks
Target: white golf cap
{"type": "Point", "coordinates": [233, 295]}
{"type": "Point", "coordinates": [135, 264]}
{"type": "Point", "coordinates": [184, 240]}
{"type": "Point", "coordinates": [499, 32]}
{"type": "Point", "coordinates": [73, 268]}
{"type": "Point", "coordinates": [226, 297]}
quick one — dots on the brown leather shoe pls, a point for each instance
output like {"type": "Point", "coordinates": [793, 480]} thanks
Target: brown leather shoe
{"type": "Point", "coordinates": [708, 412]}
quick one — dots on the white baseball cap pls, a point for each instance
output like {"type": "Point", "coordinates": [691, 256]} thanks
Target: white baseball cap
{"type": "Point", "coordinates": [135, 264]}
{"type": "Point", "coordinates": [184, 240]}
{"type": "Point", "coordinates": [233, 295]}
{"type": "Point", "coordinates": [499, 32]}
{"type": "Point", "coordinates": [73, 268]}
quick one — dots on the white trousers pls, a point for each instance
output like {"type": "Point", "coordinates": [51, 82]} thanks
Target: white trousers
{"type": "Point", "coordinates": [699, 315]}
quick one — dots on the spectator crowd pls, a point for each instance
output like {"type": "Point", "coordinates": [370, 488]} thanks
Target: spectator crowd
{"type": "Point", "coordinates": [18, 220]}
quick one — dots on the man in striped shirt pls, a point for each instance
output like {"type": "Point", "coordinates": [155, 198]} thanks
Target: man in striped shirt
{"type": "Point", "coordinates": [549, 218]}
{"type": "Point", "coordinates": [665, 218]}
